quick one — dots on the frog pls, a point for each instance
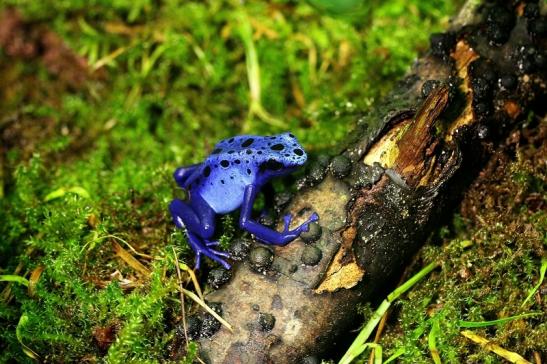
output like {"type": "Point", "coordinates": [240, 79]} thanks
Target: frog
{"type": "Point", "coordinates": [231, 178]}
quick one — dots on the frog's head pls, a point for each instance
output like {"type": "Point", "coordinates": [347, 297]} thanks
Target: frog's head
{"type": "Point", "coordinates": [283, 155]}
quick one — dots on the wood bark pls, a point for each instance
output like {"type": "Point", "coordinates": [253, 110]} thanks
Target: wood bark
{"type": "Point", "coordinates": [411, 158]}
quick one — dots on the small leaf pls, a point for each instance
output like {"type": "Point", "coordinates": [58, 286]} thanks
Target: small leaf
{"type": "Point", "coordinates": [469, 324]}
{"type": "Point", "coordinates": [28, 351]}
{"type": "Point", "coordinates": [60, 192]}
{"type": "Point", "coordinates": [542, 271]}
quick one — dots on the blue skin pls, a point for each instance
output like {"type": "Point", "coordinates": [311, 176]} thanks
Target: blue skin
{"type": "Point", "coordinates": [231, 178]}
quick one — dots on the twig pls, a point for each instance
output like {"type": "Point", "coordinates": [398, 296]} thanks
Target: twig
{"type": "Point", "coordinates": [179, 279]}
{"type": "Point", "coordinates": [194, 279]}
{"type": "Point", "coordinates": [130, 260]}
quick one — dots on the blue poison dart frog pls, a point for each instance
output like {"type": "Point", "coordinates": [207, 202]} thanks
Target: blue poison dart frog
{"type": "Point", "coordinates": [231, 178]}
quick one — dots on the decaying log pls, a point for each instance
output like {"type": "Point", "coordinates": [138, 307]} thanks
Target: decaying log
{"type": "Point", "coordinates": [410, 157]}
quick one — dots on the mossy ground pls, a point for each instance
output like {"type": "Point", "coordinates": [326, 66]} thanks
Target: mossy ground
{"type": "Point", "coordinates": [91, 133]}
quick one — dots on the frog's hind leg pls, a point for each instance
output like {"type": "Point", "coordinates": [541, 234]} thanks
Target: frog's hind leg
{"type": "Point", "coordinates": [199, 223]}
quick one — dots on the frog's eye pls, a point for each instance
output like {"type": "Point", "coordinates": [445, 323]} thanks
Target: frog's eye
{"type": "Point", "coordinates": [271, 165]}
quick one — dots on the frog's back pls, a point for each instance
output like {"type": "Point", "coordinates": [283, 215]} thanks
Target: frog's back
{"type": "Point", "coordinates": [236, 162]}
{"type": "Point", "coordinates": [242, 144]}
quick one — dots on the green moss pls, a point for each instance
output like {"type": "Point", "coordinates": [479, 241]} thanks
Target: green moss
{"type": "Point", "coordinates": [89, 162]}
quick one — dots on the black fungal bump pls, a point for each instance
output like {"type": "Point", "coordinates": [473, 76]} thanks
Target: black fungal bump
{"type": "Point", "coordinates": [291, 135]}
{"type": "Point", "coordinates": [266, 321]}
{"type": "Point", "coordinates": [316, 173]}
{"type": "Point", "coordinates": [340, 166]}
{"type": "Point", "coordinates": [311, 255]}
{"type": "Point", "coordinates": [206, 171]}
{"type": "Point", "coordinates": [323, 160]}
{"type": "Point", "coordinates": [231, 152]}
{"type": "Point", "coordinates": [499, 23]}
{"type": "Point", "coordinates": [508, 82]}
{"type": "Point", "coordinates": [218, 277]}
{"type": "Point", "coordinates": [313, 234]}
{"type": "Point", "coordinates": [248, 151]}
{"type": "Point", "coordinates": [281, 200]}
{"type": "Point", "coordinates": [441, 44]}
{"type": "Point", "coordinates": [222, 181]}
{"type": "Point", "coordinates": [299, 152]}
{"type": "Point", "coordinates": [261, 258]}
{"type": "Point", "coordinates": [531, 11]}
{"type": "Point", "coordinates": [247, 143]}
{"type": "Point", "coordinates": [429, 86]}
{"type": "Point", "coordinates": [240, 249]}
{"type": "Point", "coordinates": [537, 27]}
{"type": "Point", "coordinates": [231, 140]}
{"type": "Point", "coordinates": [248, 171]}
{"type": "Point", "coordinates": [277, 146]}
{"type": "Point", "coordinates": [237, 161]}
{"type": "Point", "coordinates": [210, 325]}
{"type": "Point", "coordinates": [267, 220]}
{"type": "Point", "coordinates": [216, 151]}
{"type": "Point", "coordinates": [193, 328]}
{"type": "Point", "coordinates": [224, 163]}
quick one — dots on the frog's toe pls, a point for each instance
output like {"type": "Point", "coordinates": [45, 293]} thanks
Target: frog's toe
{"type": "Point", "coordinates": [287, 221]}
{"type": "Point", "coordinates": [217, 256]}
{"type": "Point", "coordinates": [224, 264]}
{"type": "Point", "coordinates": [211, 243]}
{"type": "Point", "coordinates": [220, 253]}
{"type": "Point", "coordinates": [198, 261]}
{"type": "Point", "coordinates": [222, 261]}
{"type": "Point", "coordinates": [314, 217]}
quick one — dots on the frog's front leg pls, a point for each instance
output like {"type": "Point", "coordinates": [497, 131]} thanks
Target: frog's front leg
{"type": "Point", "coordinates": [199, 221]}
{"type": "Point", "coordinates": [262, 232]}
{"type": "Point", "coordinates": [182, 174]}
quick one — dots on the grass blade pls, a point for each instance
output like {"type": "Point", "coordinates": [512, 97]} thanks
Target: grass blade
{"type": "Point", "coordinates": [471, 324]}
{"type": "Point", "coordinates": [14, 278]}
{"type": "Point", "coordinates": [542, 271]}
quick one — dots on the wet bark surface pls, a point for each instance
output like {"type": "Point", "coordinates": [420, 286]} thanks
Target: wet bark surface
{"type": "Point", "coordinates": [411, 158]}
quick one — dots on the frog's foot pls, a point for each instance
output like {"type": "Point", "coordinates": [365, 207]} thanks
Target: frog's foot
{"type": "Point", "coordinates": [216, 255]}
{"type": "Point", "coordinates": [203, 247]}
{"type": "Point", "coordinates": [303, 227]}
{"type": "Point", "coordinates": [212, 254]}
